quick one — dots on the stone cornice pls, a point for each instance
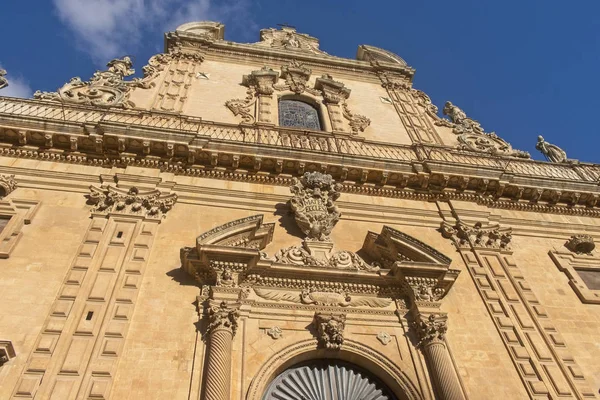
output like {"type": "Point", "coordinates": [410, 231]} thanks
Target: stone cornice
{"type": "Point", "coordinates": [189, 146]}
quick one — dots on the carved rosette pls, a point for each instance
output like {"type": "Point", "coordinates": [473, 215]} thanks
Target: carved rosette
{"type": "Point", "coordinates": [314, 206]}
{"type": "Point", "coordinates": [150, 204]}
{"type": "Point", "coordinates": [7, 185]}
{"type": "Point", "coordinates": [432, 328]}
{"type": "Point", "coordinates": [223, 317]}
{"type": "Point", "coordinates": [330, 330]}
{"type": "Point", "coordinates": [581, 244]}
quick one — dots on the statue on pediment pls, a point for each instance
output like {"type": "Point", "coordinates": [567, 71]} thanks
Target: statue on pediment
{"type": "Point", "coordinates": [552, 152]}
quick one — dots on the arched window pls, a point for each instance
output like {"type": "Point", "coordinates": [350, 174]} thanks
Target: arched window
{"type": "Point", "coordinates": [327, 380]}
{"type": "Point", "coordinates": [298, 114]}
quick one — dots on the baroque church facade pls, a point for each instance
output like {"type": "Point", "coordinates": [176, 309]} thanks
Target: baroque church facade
{"type": "Point", "coordinates": [269, 221]}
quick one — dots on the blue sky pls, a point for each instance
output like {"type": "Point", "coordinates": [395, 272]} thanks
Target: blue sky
{"type": "Point", "coordinates": [521, 68]}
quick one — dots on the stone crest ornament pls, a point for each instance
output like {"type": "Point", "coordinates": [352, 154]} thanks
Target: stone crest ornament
{"type": "Point", "coordinates": [314, 206]}
{"type": "Point", "coordinates": [275, 332]}
{"type": "Point", "coordinates": [287, 38]}
{"type": "Point", "coordinates": [149, 203]}
{"type": "Point", "coordinates": [3, 81]}
{"type": "Point", "coordinates": [223, 316]}
{"type": "Point", "coordinates": [552, 152]}
{"type": "Point", "coordinates": [296, 77]}
{"type": "Point", "coordinates": [581, 244]}
{"type": "Point", "coordinates": [105, 88]}
{"type": "Point", "coordinates": [384, 338]}
{"type": "Point", "coordinates": [330, 330]}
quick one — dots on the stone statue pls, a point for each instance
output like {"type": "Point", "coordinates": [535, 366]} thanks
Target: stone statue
{"type": "Point", "coordinates": [552, 152]}
{"type": "Point", "coordinates": [3, 81]}
{"type": "Point", "coordinates": [456, 114]}
{"type": "Point", "coordinates": [462, 123]}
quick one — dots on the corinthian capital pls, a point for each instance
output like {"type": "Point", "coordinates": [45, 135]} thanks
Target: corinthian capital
{"type": "Point", "coordinates": [431, 328]}
{"type": "Point", "coordinates": [223, 316]}
{"type": "Point", "coordinates": [7, 185]}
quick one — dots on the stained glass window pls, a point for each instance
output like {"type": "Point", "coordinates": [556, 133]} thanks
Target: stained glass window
{"type": "Point", "coordinates": [298, 114]}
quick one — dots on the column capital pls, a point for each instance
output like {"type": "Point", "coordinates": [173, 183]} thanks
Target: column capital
{"type": "Point", "coordinates": [431, 328]}
{"type": "Point", "coordinates": [223, 316]}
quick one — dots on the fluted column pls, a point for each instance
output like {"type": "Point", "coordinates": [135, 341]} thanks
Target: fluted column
{"type": "Point", "coordinates": [221, 329]}
{"type": "Point", "coordinates": [431, 331]}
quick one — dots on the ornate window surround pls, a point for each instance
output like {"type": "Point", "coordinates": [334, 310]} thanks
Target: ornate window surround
{"type": "Point", "coordinates": [259, 107]}
{"type": "Point", "coordinates": [570, 264]}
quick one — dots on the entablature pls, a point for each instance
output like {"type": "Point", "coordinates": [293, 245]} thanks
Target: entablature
{"type": "Point", "coordinates": [192, 146]}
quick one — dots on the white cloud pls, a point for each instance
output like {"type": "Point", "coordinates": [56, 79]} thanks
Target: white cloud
{"type": "Point", "coordinates": [17, 87]}
{"type": "Point", "coordinates": [108, 28]}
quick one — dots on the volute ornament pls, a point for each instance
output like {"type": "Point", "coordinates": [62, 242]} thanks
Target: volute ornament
{"type": "Point", "coordinates": [581, 244]}
{"type": "Point", "coordinates": [314, 206]}
{"type": "Point", "coordinates": [3, 80]}
{"type": "Point", "coordinates": [552, 152]}
{"type": "Point", "coordinates": [330, 330]}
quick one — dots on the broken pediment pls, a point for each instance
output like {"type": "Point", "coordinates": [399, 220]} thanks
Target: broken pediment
{"type": "Point", "coordinates": [377, 55]}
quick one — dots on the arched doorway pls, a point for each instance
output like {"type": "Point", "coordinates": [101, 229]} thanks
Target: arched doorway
{"type": "Point", "coordinates": [326, 380]}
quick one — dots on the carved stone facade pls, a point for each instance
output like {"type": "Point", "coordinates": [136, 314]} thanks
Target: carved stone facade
{"type": "Point", "coordinates": [150, 246]}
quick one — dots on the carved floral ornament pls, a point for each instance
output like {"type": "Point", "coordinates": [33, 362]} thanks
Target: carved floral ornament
{"type": "Point", "coordinates": [477, 236]}
{"type": "Point", "coordinates": [223, 316]}
{"type": "Point", "coordinates": [7, 185]}
{"type": "Point", "coordinates": [265, 82]}
{"type": "Point", "coordinates": [109, 88]}
{"type": "Point", "coordinates": [431, 328]}
{"type": "Point", "coordinates": [148, 203]}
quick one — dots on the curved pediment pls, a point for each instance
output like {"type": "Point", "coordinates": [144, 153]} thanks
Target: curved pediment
{"type": "Point", "coordinates": [392, 246]}
{"type": "Point", "coordinates": [248, 232]}
{"type": "Point", "coordinates": [375, 54]}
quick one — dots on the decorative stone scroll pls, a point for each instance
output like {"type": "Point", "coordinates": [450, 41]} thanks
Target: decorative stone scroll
{"type": "Point", "coordinates": [491, 237]}
{"type": "Point", "coordinates": [581, 244]}
{"type": "Point", "coordinates": [3, 80]}
{"type": "Point", "coordinates": [7, 185]}
{"type": "Point", "coordinates": [150, 203]}
{"type": "Point", "coordinates": [314, 206]}
{"type": "Point", "coordinates": [301, 255]}
{"type": "Point", "coordinates": [330, 330]}
{"type": "Point", "coordinates": [105, 88]}
{"type": "Point", "coordinates": [472, 136]}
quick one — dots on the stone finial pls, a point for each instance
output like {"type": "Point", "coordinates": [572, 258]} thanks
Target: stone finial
{"type": "Point", "coordinates": [223, 316]}
{"type": "Point", "coordinates": [552, 152]}
{"type": "Point", "coordinates": [330, 330]}
{"type": "Point", "coordinates": [314, 206]}
{"type": "Point", "coordinates": [149, 203]}
{"type": "Point", "coordinates": [431, 328]}
{"type": "Point", "coordinates": [3, 81]}
{"type": "Point", "coordinates": [581, 244]}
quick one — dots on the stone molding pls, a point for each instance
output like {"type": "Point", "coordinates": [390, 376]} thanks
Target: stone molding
{"type": "Point", "coordinates": [152, 204]}
{"type": "Point", "coordinates": [535, 186]}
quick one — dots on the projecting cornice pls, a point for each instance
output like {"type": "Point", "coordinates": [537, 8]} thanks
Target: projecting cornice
{"type": "Point", "coordinates": [182, 145]}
